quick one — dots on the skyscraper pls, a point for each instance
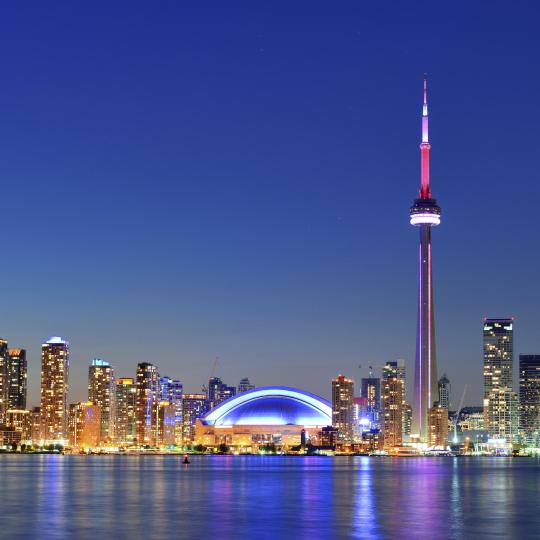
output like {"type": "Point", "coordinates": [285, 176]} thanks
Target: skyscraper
{"type": "Point", "coordinates": [392, 405]}
{"type": "Point", "coordinates": [503, 414]}
{"type": "Point", "coordinates": [371, 390]}
{"type": "Point", "coordinates": [4, 382]}
{"type": "Point", "coordinates": [102, 392]}
{"type": "Point", "coordinates": [194, 406]}
{"type": "Point", "coordinates": [218, 391]}
{"type": "Point", "coordinates": [343, 408]}
{"type": "Point", "coordinates": [16, 377]}
{"type": "Point", "coordinates": [425, 214]}
{"type": "Point", "coordinates": [54, 389]}
{"type": "Point", "coordinates": [171, 390]}
{"type": "Point", "coordinates": [438, 426]}
{"type": "Point", "coordinates": [444, 391]}
{"type": "Point", "coordinates": [147, 398]}
{"type": "Point", "coordinates": [529, 397]}
{"type": "Point", "coordinates": [498, 344]}
{"type": "Point", "coordinates": [126, 392]}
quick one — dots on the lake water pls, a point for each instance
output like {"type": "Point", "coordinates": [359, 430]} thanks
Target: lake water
{"type": "Point", "coordinates": [154, 497]}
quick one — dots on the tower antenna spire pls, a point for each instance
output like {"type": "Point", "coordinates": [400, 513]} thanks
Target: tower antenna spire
{"type": "Point", "coordinates": [425, 190]}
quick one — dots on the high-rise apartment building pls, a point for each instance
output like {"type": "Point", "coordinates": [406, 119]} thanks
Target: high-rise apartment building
{"type": "Point", "coordinates": [218, 392]}
{"type": "Point", "coordinates": [194, 406]}
{"type": "Point", "coordinates": [444, 392]}
{"type": "Point", "coordinates": [244, 385]}
{"type": "Point", "coordinates": [371, 390]}
{"type": "Point", "coordinates": [503, 415]}
{"type": "Point", "coordinates": [4, 380]}
{"type": "Point", "coordinates": [438, 426]}
{"type": "Point", "coordinates": [171, 390]}
{"type": "Point", "coordinates": [498, 345]}
{"type": "Point", "coordinates": [125, 429]}
{"type": "Point", "coordinates": [84, 425]}
{"type": "Point", "coordinates": [392, 405]}
{"type": "Point", "coordinates": [54, 389]}
{"type": "Point", "coordinates": [343, 408]}
{"type": "Point", "coordinates": [147, 398]}
{"type": "Point", "coordinates": [529, 398]}
{"type": "Point", "coordinates": [166, 423]}
{"type": "Point", "coordinates": [102, 392]}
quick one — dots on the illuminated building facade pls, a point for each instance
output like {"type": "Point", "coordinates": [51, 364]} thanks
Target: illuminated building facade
{"type": "Point", "coordinates": [265, 415]}
{"type": "Point", "coordinates": [503, 415]}
{"type": "Point", "coordinates": [425, 214]}
{"type": "Point", "coordinates": [218, 392]}
{"type": "Point", "coordinates": [407, 420]}
{"type": "Point", "coordinates": [20, 420]}
{"type": "Point", "coordinates": [371, 390]}
{"type": "Point", "coordinates": [343, 408]}
{"type": "Point", "coordinates": [35, 419]}
{"type": "Point", "coordinates": [4, 382]}
{"type": "Point", "coordinates": [172, 390]}
{"type": "Point", "coordinates": [84, 425]}
{"type": "Point", "coordinates": [444, 392]}
{"type": "Point", "coordinates": [125, 429]}
{"type": "Point", "coordinates": [438, 426]}
{"type": "Point", "coordinates": [392, 405]}
{"type": "Point", "coordinates": [166, 423]}
{"type": "Point", "coordinates": [529, 398]}
{"type": "Point", "coordinates": [54, 389]}
{"type": "Point", "coordinates": [16, 379]}
{"type": "Point", "coordinates": [147, 398]}
{"type": "Point", "coordinates": [102, 392]}
{"type": "Point", "coordinates": [194, 407]}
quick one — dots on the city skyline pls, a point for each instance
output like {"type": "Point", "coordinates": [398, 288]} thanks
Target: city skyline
{"type": "Point", "coordinates": [204, 212]}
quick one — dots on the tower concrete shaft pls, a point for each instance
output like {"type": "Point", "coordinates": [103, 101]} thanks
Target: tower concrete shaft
{"type": "Point", "coordinates": [425, 214]}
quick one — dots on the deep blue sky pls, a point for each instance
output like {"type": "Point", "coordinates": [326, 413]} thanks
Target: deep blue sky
{"type": "Point", "coordinates": [186, 180]}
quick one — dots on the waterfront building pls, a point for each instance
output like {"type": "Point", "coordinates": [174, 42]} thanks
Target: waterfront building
{"type": "Point", "coordinates": [425, 214]}
{"type": "Point", "coordinates": [16, 379]}
{"type": "Point", "coordinates": [218, 392]}
{"type": "Point", "coordinates": [438, 426]}
{"type": "Point", "coordinates": [54, 390]}
{"type": "Point", "coordinates": [102, 392]}
{"type": "Point", "coordinates": [407, 420]}
{"type": "Point", "coordinates": [392, 405]}
{"type": "Point", "coordinates": [342, 408]}
{"type": "Point", "coordinates": [125, 429]}
{"type": "Point", "coordinates": [503, 415]}
{"type": "Point", "coordinates": [529, 398]}
{"type": "Point", "coordinates": [194, 407]}
{"type": "Point", "coordinates": [371, 390]}
{"type": "Point", "coordinates": [361, 417]}
{"type": "Point", "coordinates": [4, 382]}
{"type": "Point", "coordinates": [166, 423]}
{"type": "Point", "coordinates": [444, 392]}
{"type": "Point", "coordinates": [84, 425]}
{"type": "Point", "coordinates": [244, 385]}
{"type": "Point", "coordinates": [271, 415]}
{"type": "Point", "coordinates": [171, 390]}
{"type": "Point", "coordinates": [147, 396]}
{"type": "Point", "coordinates": [35, 420]}
{"type": "Point", "coordinates": [471, 419]}
{"type": "Point", "coordinates": [20, 420]}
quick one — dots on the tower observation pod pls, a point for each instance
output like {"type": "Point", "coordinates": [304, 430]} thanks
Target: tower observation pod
{"type": "Point", "coordinates": [425, 213]}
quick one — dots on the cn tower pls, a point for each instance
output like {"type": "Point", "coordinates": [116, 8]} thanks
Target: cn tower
{"type": "Point", "coordinates": [425, 214]}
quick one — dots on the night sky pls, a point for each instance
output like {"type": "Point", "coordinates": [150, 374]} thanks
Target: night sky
{"type": "Point", "coordinates": [186, 180]}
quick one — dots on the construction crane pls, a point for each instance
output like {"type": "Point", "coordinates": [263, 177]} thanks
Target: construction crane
{"type": "Point", "coordinates": [204, 387]}
{"type": "Point", "coordinates": [457, 414]}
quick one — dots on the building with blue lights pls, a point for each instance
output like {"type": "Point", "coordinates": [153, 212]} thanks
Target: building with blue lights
{"type": "Point", "coordinates": [265, 415]}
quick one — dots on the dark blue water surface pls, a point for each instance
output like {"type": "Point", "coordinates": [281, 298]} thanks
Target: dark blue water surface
{"type": "Point", "coordinates": [151, 497]}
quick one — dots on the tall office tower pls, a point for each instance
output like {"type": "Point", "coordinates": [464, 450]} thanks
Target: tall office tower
{"type": "Point", "coordinates": [498, 344]}
{"type": "Point", "coordinates": [392, 405]}
{"type": "Point", "coordinates": [4, 383]}
{"type": "Point", "coordinates": [438, 426]}
{"type": "Point", "coordinates": [371, 390]}
{"type": "Point", "coordinates": [147, 397]}
{"type": "Point", "coordinates": [54, 389]}
{"type": "Point", "coordinates": [171, 390]}
{"type": "Point", "coordinates": [343, 408]}
{"type": "Point", "coordinates": [444, 392]}
{"type": "Point", "coordinates": [425, 214]}
{"type": "Point", "coordinates": [102, 392]}
{"type": "Point", "coordinates": [84, 425]}
{"type": "Point", "coordinates": [194, 406]}
{"type": "Point", "coordinates": [218, 391]}
{"type": "Point", "coordinates": [16, 377]}
{"type": "Point", "coordinates": [503, 414]}
{"type": "Point", "coordinates": [166, 423]}
{"type": "Point", "coordinates": [126, 392]}
{"type": "Point", "coordinates": [244, 385]}
{"type": "Point", "coordinates": [529, 398]}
